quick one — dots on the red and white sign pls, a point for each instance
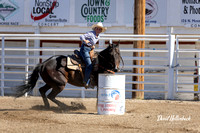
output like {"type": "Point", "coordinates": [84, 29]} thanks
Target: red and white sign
{"type": "Point", "coordinates": [49, 12]}
{"type": "Point", "coordinates": [111, 108]}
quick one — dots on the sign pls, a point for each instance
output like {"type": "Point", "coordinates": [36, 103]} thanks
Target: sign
{"type": "Point", "coordinates": [93, 11]}
{"type": "Point", "coordinates": [49, 12]}
{"type": "Point", "coordinates": [108, 108]}
{"type": "Point", "coordinates": [151, 9]}
{"type": "Point", "coordinates": [11, 12]}
{"type": "Point", "coordinates": [156, 12]}
{"type": "Point", "coordinates": [128, 12]}
{"type": "Point", "coordinates": [111, 95]}
{"type": "Point", "coordinates": [190, 11]}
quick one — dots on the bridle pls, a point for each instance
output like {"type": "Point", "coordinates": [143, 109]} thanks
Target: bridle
{"type": "Point", "coordinates": [107, 61]}
{"type": "Point", "coordinates": [108, 70]}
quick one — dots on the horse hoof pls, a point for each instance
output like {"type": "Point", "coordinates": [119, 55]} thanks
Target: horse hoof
{"type": "Point", "coordinates": [47, 107]}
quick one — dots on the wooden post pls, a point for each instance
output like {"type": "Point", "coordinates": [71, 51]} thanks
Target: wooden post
{"type": "Point", "coordinates": [139, 28]}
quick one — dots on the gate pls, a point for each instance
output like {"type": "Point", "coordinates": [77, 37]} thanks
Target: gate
{"type": "Point", "coordinates": [187, 67]}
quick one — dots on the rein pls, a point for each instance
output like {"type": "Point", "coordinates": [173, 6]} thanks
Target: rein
{"type": "Point", "coordinates": [108, 70]}
{"type": "Point", "coordinates": [122, 63]}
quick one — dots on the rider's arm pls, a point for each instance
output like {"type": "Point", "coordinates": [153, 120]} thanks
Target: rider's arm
{"type": "Point", "coordinates": [83, 38]}
{"type": "Point", "coordinates": [89, 39]}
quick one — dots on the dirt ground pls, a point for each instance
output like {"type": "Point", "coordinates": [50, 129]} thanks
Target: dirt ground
{"type": "Point", "coordinates": [28, 115]}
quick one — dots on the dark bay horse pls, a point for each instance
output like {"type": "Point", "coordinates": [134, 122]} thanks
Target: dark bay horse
{"type": "Point", "coordinates": [56, 74]}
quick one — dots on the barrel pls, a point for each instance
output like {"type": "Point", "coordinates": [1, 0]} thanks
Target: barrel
{"type": "Point", "coordinates": [111, 94]}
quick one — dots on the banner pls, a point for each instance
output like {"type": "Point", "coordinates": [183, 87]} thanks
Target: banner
{"type": "Point", "coordinates": [156, 12]}
{"type": "Point", "coordinates": [128, 12]}
{"type": "Point", "coordinates": [93, 11]}
{"type": "Point", "coordinates": [49, 12]}
{"type": "Point", "coordinates": [190, 12]}
{"type": "Point", "coordinates": [11, 12]}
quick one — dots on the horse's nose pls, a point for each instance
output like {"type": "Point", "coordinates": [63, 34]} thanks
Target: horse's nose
{"type": "Point", "coordinates": [116, 70]}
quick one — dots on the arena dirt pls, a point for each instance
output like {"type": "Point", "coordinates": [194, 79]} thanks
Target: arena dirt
{"type": "Point", "coordinates": [27, 115]}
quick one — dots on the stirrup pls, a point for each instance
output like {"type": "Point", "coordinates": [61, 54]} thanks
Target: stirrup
{"type": "Point", "coordinates": [87, 84]}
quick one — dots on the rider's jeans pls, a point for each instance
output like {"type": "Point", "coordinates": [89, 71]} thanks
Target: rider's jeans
{"type": "Point", "coordinates": [85, 53]}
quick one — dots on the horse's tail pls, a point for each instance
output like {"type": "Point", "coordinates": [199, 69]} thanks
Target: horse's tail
{"type": "Point", "coordinates": [30, 82]}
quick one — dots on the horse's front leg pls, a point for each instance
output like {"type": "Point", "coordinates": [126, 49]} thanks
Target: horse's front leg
{"type": "Point", "coordinates": [55, 91]}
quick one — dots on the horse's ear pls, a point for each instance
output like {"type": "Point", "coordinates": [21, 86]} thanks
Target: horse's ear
{"type": "Point", "coordinates": [110, 45]}
{"type": "Point", "coordinates": [118, 43]}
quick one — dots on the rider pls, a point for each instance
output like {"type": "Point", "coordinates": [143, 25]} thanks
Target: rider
{"type": "Point", "coordinates": [88, 43]}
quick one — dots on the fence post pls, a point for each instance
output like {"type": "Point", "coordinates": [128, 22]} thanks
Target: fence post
{"type": "Point", "coordinates": [110, 41]}
{"type": "Point", "coordinates": [82, 92]}
{"type": "Point", "coordinates": [2, 64]}
{"type": "Point", "coordinates": [171, 45]}
{"type": "Point", "coordinates": [177, 56]}
{"type": "Point", "coordinates": [37, 45]}
{"type": "Point", "coordinates": [27, 62]}
{"type": "Point", "coordinates": [36, 53]}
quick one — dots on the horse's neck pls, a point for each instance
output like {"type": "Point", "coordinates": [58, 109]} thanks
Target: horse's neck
{"type": "Point", "coordinates": [102, 57]}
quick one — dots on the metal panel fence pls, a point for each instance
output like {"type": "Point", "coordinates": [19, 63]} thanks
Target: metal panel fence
{"type": "Point", "coordinates": [168, 66]}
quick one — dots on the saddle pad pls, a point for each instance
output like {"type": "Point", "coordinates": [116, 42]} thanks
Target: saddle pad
{"type": "Point", "coordinates": [71, 65]}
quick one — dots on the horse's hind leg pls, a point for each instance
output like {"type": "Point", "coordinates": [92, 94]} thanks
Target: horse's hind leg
{"type": "Point", "coordinates": [43, 90]}
{"type": "Point", "coordinates": [54, 93]}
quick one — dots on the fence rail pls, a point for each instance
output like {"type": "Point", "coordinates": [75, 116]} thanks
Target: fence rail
{"type": "Point", "coordinates": [169, 59]}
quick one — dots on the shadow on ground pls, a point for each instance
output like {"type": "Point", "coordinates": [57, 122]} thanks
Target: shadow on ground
{"type": "Point", "coordinates": [75, 106]}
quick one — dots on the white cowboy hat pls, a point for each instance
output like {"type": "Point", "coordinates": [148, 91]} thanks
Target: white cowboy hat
{"type": "Point", "coordinates": [100, 25]}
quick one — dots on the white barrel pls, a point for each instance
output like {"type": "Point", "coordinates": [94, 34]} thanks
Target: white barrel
{"type": "Point", "coordinates": [111, 95]}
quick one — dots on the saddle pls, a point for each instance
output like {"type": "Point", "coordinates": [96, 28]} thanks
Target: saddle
{"type": "Point", "coordinates": [75, 61]}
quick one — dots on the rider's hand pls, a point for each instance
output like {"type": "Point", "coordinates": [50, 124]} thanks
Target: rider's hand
{"type": "Point", "coordinates": [93, 47]}
{"type": "Point", "coordinates": [86, 41]}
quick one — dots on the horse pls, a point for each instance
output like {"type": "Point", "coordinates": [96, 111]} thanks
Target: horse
{"type": "Point", "coordinates": [56, 74]}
